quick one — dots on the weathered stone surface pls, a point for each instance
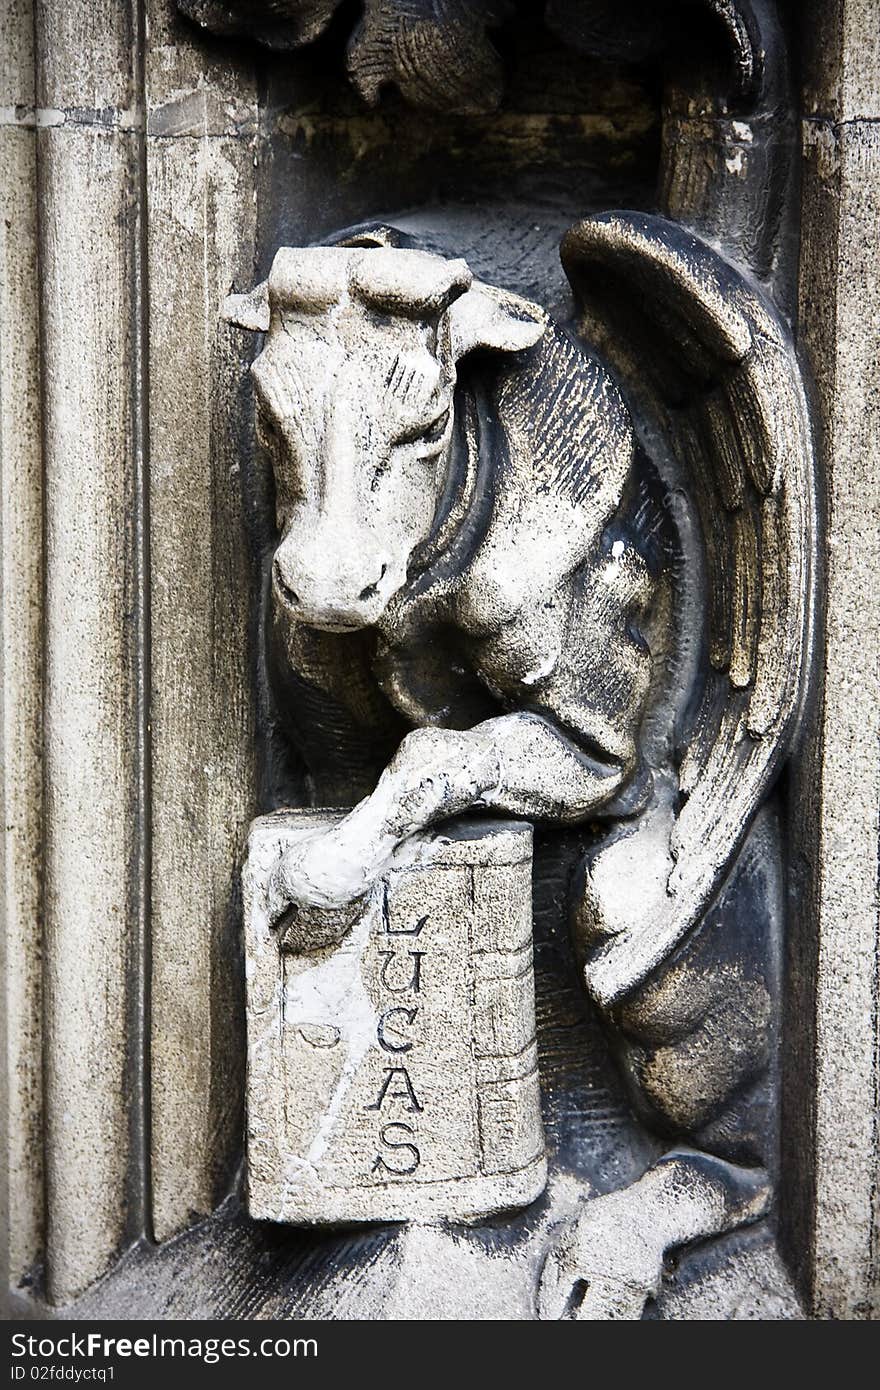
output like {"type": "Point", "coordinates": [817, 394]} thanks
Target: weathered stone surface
{"type": "Point", "coordinates": [833, 1220]}
{"type": "Point", "coordinates": [21, 584]}
{"type": "Point", "coordinates": [93, 728]}
{"type": "Point", "coordinates": [394, 1076]}
{"type": "Point", "coordinates": [840, 50]}
{"type": "Point", "coordinates": [199, 172]}
{"type": "Point", "coordinates": [230, 1267]}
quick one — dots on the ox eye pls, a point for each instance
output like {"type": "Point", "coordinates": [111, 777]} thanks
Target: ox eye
{"type": "Point", "coordinates": [435, 432]}
{"type": "Point", "coordinates": [424, 438]}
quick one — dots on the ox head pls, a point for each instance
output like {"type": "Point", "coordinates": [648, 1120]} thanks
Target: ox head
{"type": "Point", "coordinates": [354, 395]}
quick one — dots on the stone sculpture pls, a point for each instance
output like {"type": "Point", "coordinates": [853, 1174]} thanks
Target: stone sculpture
{"type": "Point", "coordinates": [394, 1077]}
{"type": "Point", "coordinates": [437, 51]}
{"type": "Point", "coordinates": [440, 56]}
{"type": "Point", "coordinates": [513, 1059]}
{"type": "Point", "coordinates": [461, 499]}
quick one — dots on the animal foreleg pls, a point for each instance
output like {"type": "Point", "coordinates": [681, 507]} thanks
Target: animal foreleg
{"type": "Point", "coordinates": [609, 1260]}
{"type": "Point", "coordinates": [519, 763]}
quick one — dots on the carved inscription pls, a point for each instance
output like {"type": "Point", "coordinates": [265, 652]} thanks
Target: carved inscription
{"type": "Point", "coordinates": [398, 966]}
{"type": "Point", "coordinates": [393, 1076]}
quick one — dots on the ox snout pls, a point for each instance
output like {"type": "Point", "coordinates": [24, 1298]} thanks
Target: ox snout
{"type": "Point", "coordinates": [328, 596]}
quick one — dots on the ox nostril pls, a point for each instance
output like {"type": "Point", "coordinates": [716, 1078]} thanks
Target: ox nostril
{"type": "Point", "coordinates": [372, 589]}
{"type": "Point", "coordinates": [284, 588]}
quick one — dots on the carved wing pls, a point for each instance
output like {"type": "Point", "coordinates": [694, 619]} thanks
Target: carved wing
{"type": "Point", "coordinates": [708, 359]}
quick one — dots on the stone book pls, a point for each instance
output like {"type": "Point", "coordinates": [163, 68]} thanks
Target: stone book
{"type": "Point", "coordinates": [393, 1076]}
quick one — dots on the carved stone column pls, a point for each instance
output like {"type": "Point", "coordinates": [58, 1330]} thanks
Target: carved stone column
{"type": "Point", "coordinates": [833, 1220]}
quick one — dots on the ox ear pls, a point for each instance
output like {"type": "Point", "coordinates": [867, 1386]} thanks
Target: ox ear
{"type": "Point", "coordinates": [248, 310]}
{"type": "Point", "coordinates": [486, 317]}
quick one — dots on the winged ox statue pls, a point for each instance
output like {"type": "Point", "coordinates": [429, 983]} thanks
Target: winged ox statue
{"type": "Point", "coordinates": [467, 613]}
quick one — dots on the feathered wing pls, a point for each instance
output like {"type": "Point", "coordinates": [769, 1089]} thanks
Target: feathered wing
{"type": "Point", "coordinates": [712, 361]}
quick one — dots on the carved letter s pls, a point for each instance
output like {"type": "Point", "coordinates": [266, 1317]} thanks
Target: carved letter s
{"type": "Point", "coordinates": [384, 1138]}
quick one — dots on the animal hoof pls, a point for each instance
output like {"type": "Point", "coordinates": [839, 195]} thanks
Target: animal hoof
{"type": "Point", "coordinates": [597, 1300]}
{"type": "Point", "coordinates": [602, 1267]}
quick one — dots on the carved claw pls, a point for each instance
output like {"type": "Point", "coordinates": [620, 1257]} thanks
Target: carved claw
{"type": "Point", "coordinates": [603, 1267]}
{"type": "Point", "coordinates": [318, 889]}
{"type": "Point", "coordinates": [328, 870]}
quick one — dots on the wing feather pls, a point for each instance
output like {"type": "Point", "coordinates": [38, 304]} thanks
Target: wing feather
{"type": "Point", "coordinates": [726, 390]}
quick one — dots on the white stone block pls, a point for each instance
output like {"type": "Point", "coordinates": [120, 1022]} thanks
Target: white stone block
{"type": "Point", "coordinates": [393, 1076]}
